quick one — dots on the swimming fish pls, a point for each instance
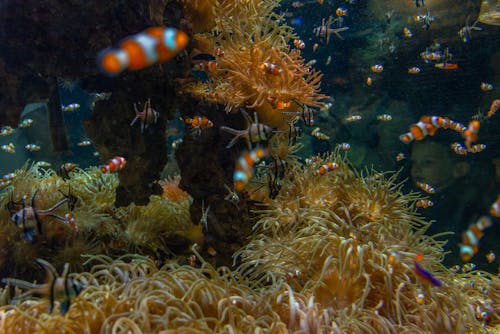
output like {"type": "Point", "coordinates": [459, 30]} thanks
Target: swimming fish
{"type": "Point", "coordinates": [32, 147]}
{"type": "Point", "coordinates": [198, 123]}
{"type": "Point", "coordinates": [495, 208]}
{"type": "Point", "coordinates": [71, 107]}
{"type": "Point", "coordinates": [6, 130]}
{"type": "Point", "coordinates": [135, 52]}
{"type": "Point", "coordinates": [243, 170]}
{"type": "Point", "coordinates": [26, 123]}
{"type": "Point", "coordinates": [63, 287]}
{"type": "Point", "coordinates": [470, 238]}
{"type": "Point", "coordinates": [424, 273]}
{"type": "Point", "coordinates": [323, 169]}
{"type": "Point", "coordinates": [147, 116]}
{"type": "Point", "coordinates": [8, 148]}
{"type": "Point", "coordinates": [424, 203]}
{"type": "Point", "coordinates": [254, 133]}
{"type": "Point", "coordinates": [114, 165]}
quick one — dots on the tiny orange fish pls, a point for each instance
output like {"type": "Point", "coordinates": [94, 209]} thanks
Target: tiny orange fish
{"type": "Point", "coordinates": [424, 203]}
{"type": "Point", "coordinates": [114, 165]}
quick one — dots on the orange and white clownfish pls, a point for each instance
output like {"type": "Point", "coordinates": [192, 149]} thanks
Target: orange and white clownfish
{"type": "Point", "coordinates": [418, 131]}
{"type": "Point", "coordinates": [471, 237]}
{"type": "Point", "coordinates": [198, 123]}
{"type": "Point", "coordinates": [270, 68]}
{"type": "Point", "coordinates": [426, 187]}
{"type": "Point", "coordinates": [71, 107]}
{"type": "Point", "coordinates": [244, 167]}
{"type": "Point", "coordinates": [495, 208]}
{"type": "Point", "coordinates": [114, 165]}
{"type": "Point", "coordinates": [424, 203]}
{"type": "Point", "coordinates": [204, 62]}
{"type": "Point", "coordinates": [323, 169]}
{"type": "Point", "coordinates": [135, 52]}
{"type": "Point", "coordinates": [470, 134]}
{"type": "Point", "coordinates": [377, 68]}
{"type": "Point", "coordinates": [32, 147]}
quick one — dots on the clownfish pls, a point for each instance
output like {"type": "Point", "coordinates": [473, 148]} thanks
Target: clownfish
{"type": "Point", "coordinates": [384, 117]}
{"type": "Point", "coordinates": [401, 156]}
{"type": "Point", "coordinates": [495, 105]}
{"type": "Point", "coordinates": [71, 221]}
{"type": "Point", "coordinates": [414, 70]}
{"type": "Point", "coordinates": [299, 44]}
{"type": "Point", "coordinates": [270, 68]}
{"type": "Point", "coordinates": [65, 168]}
{"type": "Point", "coordinates": [341, 12]}
{"type": "Point", "coordinates": [319, 135]}
{"type": "Point", "coordinates": [205, 63]}
{"type": "Point", "coordinates": [8, 177]}
{"type": "Point", "coordinates": [477, 148]}
{"type": "Point", "coordinates": [6, 130]}
{"type": "Point", "coordinates": [377, 68]}
{"type": "Point", "coordinates": [470, 134]}
{"type": "Point", "coordinates": [471, 237]}
{"type": "Point", "coordinates": [486, 86]}
{"type": "Point", "coordinates": [71, 107]}
{"type": "Point", "coordinates": [114, 165]}
{"type": "Point", "coordinates": [32, 147]}
{"type": "Point", "coordinates": [426, 187]}
{"type": "Point", "coordinates": [424, 203]}
{"type": "Point", "coordinates": [418, 131]}
{"type": "Point", "coordinates": [198, 123]}
{"type": "Point", "coordinates": [323, 169]}
{"type": "Point", "coordinates": [407, 32]}
{"type": "Point", "coordinates": [344, 146]}
{"type": "Point", "coordinates": [244, 167]}
{"type": "Point", "coordinates": [26, 123]}
{"type": "Point", "coordinates": [9, 148]}
{"type": "Point", "coordinates": [495, 208]}
{"type": "Point", "coordinates": [353, 118]}
{"type": "Point", "coordinates": [458, 149]}
{"type": "Point", "coordinates": [135, 52]}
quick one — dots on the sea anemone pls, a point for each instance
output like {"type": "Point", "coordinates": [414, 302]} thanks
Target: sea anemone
{"type": "Point", "coordinates": [348, 242]}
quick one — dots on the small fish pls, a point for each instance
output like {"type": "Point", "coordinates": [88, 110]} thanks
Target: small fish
{"type": "Point", "coordinates": [470, 238]}
{"type": "Point", "coordinates": [377, 68]}
{"type": "Point", "coordinates": [254, 133]}
{"type": "Point", "coordinates": [324, 30]}
{"type": "Point", "coordinates": [176, 143]}
{"type": "Point", "coordinates": [341, 12]}
{"type": "Point", "coordinates": [491, 256]}
{"type": "Point", "coordinates": [43, 164]}
{"type": "Point", "coordinates": [9, 177]}
{"type": "Point", "coordinates": [485, 87]}
{"type": "Point", "coordinates": [407, 32]}
{"type": "Point", "coordinates": [446, 66]}
{"type": "Point", "coordinates": [420, 298]}
{"type": "Point", "coordinates": [135, 52]}
{"type": "Point", "coordinates": [64, 287]}
{"type": "Point", "coordinates": [468, 267]}
{"type": "Point", "coordinates": [458, 148]}
{"type": "Point", "coordinates": [424, 203]}
{"type": "Point", "coordinates": [423, 273]}
{"type": "Point", "coordinates": [353, 118]}
{"type": "Point", "coordinates": [414, 70]}
{"type": "Point", "coordinates": [384, 117]}
{"type": "Point", "coordinates": [471, 133]}
{"type": "Point", "coordinates": [344, 146]}
{"type": "Point", "coordinates": [65, 168]}
{"type": "Point", "coordinates": [319, 135]}
{"type": "Point", "coordinates": [328, 60]}
{"type": "Point", "coordinates": [25, 123]}
{"type": "Point", "coordinates": [269, 68]}
{"type": "Point", "coordinates": [315, 47]}
{"type": "Point", "coordinates": [9, 148]}
{"type": "Point", "coordinates": [299, 44]}
{"type": "Point", "coordinates": [207, 66]}
{"type": "Point", "coordinates": [147, 116]}
{"type": "Point", "coordinates": [243, 170]}
{"type": "Point", "coordinates": [369, 81]}
{"type": "Point", "coordinates": [426, 187]}
{"type": "Point", "coordinates": [401, 156]}
{"type": "Point", "coordinates": [32, 147]}
{"type": "Point", "coordinates": [6, 130]}
{"type": "Point", "coordinates": [198, 123]}
{"type": "Point", "coordinates": [292, 275]}
{"type": "Point", "coordinates": [495, 105]}
{"type": "Point", "coordinates": [495, 208]}
{"type": "Point", "coordinates": [114, 165]}
{"type": "Point", "coordinates": [323, 169]}
{"type": "Point", "coordinates": [84, 143]}
{"type": "Point", "coordinates": [477, 148]}
{"type": "Point", "coordinates": [71, 107]}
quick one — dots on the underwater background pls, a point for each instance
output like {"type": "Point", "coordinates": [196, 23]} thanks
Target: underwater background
{"type": "Point", "coordinates": [243, 166]}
